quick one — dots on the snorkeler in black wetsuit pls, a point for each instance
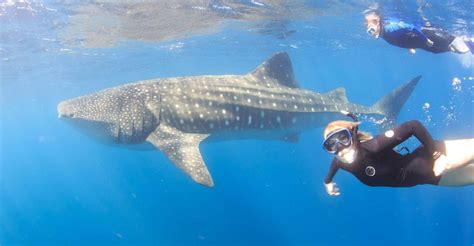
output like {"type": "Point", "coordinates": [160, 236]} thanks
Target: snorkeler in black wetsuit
{"type": "Point", "coordinates": [374, 162]}
{"type": "Point", "coordinates": [377, 164]}
{"type": "Point", "coordinates": [412, 36]}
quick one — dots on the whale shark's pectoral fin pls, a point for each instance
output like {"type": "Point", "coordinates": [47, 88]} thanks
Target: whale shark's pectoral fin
{"type": "Point", "coordinates": [183, 150]}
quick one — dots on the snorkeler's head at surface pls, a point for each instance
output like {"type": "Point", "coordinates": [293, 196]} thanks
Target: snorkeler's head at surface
{"type": "Point", "coordinates": [373, 23]}
{"type": "Point", "coordinates": [341, 138]}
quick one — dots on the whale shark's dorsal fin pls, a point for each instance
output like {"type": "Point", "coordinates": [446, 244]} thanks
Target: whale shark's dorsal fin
{"type": "Point", "coordinates": [338, 93]}
{"type": "Point", "coordinates": [183, 150]}
{"type": "Point", "coordinates": [277, 68]}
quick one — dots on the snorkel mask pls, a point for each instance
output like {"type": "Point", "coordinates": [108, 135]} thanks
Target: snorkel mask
{"type": "Point", "coordinates": [341, 142]}
{"type": "Point", "coordinates": [337, 140]}
{"type": "Point", "coordinates": [373, 24]}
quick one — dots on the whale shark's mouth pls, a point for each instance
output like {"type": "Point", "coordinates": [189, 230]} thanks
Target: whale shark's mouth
{"type": "Point", "coordinates": [98, 130]}
{"type": "Point", "coordinates": [63, 112]}
{"type": "Point", "coordinates": [65, 115]}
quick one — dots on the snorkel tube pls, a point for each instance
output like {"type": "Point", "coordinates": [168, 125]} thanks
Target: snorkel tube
{"type": "Point", "coordinates": [350, 114]}
{"type": "Point", "coordinates": [354, 118]}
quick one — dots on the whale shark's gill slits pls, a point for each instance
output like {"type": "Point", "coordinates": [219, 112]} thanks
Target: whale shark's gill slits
{"type": "Point", "coordinates": [144, 124]}
{"type": "Point", "coordinates": [119, 134]}
{"type": "Point", "coordinates": [133, 132]}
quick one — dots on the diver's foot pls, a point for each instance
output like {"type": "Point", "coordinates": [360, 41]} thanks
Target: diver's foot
{"type": "Point", "coordinates": [459, 45]}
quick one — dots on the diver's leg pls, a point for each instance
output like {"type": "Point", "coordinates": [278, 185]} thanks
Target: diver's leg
{"type": "Point", "coordinates": [459, 177]}
{"type": "Point", "coordinates": [459, 152]}
{"type": "Point", "coordinates": [441, 39]}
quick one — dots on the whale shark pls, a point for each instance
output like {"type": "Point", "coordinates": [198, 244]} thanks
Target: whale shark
{"type": "Point", "coordinates": [176, 114]}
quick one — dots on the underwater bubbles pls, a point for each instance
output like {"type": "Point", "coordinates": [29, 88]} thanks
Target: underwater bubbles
{"type": "Point", "coordinates": [456, 84]}
{"type": "Point", "coordinates": [459, 88]}
{"type": "Point", "coordinates": [428, 117]}
{"type": "Point", "coordinates": [450, 111]}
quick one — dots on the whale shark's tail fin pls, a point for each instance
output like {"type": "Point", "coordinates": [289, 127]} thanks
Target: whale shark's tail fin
{"type": "Point", "coordinates": [390, 104]}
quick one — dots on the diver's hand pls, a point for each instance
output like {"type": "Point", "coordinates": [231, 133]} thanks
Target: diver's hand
{"type": "Point", "coordinates": [441, 165]}
{"type": "Point", "coordinates": [412, 51]}
{"type": "Point", "coordinates": [429, 43]}
{"type": "Point", "coordinates": [332, 189]}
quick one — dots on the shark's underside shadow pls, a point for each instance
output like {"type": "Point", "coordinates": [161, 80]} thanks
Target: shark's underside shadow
{"type": "Point", "coordinates": [177, 114]}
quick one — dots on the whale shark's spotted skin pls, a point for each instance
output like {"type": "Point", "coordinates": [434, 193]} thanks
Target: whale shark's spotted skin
{"type": "Point", "coordinates": [217, 104]}
{"type": "Point", "coordinates": [176, 114]}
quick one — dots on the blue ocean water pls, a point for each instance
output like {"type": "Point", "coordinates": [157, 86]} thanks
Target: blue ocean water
{"type": "Point", "coordinates": [59, 187]}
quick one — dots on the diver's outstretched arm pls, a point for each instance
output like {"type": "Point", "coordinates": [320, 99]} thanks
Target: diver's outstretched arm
{"type": "Point", "coordinates": [331, 187]}
{"type": "Point", "coordinates": [332, 171]}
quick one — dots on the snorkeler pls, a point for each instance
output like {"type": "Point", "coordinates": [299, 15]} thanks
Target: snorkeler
{"type": "Point", "coordinates": [412, 36]}
{"type": "Point", "coordinates": [374, 162]}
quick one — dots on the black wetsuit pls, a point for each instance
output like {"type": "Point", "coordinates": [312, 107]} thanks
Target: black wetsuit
{"type": "Point", "coordinates": [377, 164]}
{"type": "Point", "coordinates": [411, 36]}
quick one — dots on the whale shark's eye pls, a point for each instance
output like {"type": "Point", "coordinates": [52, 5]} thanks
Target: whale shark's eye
{"type": "Point", "coordinates": [71, 115]}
